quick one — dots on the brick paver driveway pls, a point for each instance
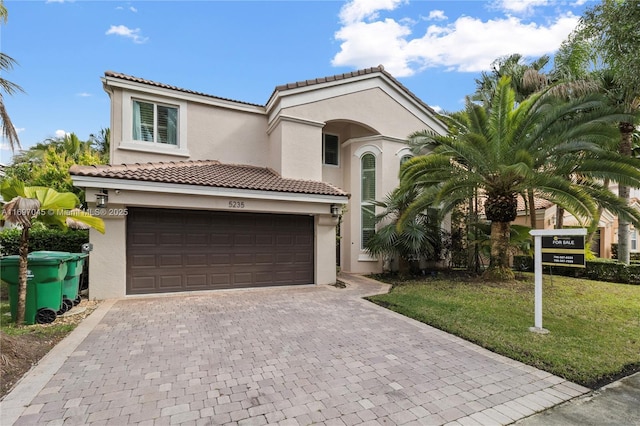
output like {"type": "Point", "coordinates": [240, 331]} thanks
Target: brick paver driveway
{"type": "Point", "coordinates": [289, 356]}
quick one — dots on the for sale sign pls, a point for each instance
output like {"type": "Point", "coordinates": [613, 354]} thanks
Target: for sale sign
{"type": "Point", "coordinates": [563, 250]}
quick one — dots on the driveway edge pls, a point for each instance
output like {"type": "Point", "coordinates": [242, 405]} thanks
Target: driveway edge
{"type": "Point", "coordinates": [15, 402]}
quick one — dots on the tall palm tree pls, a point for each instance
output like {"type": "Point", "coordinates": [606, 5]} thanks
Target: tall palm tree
{"type": "Point", "coordinates": [6, 64]}
{"type": "Point", "coordinates": [28, 204]}
{"type": "Point", "coordinates": [608, 36]}
{"type": "Point", "coordinates": [501, 151]}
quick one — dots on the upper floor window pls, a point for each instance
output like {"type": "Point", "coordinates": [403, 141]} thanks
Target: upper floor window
{"type": "Point", "coordinates": [330, 149]}
{"type": "Point", "coordinates": [153, 122]}
{"type": "Point", "coordinates": [405, 158]}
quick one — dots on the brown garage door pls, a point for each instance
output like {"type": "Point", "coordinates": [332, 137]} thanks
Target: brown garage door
{"type": "Point", "coordinates": [187, 250]}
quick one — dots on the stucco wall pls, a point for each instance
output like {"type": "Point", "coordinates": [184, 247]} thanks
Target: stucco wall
{"type": "Point", "coordinates": [108, 260]}
{"type": "Point", "coordinates": [373, 108]}
{"type": "Point", "coordinates": [212, 133]}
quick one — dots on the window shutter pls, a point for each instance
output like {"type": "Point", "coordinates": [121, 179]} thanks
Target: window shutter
{"type": "Point", "coordinates": [167, 125]}
{"type": "Point", "coordinates": [145, 119]}
{"type": "Point", "coordinates": [368, 177]}
{"type": "Point", "coordinates": [331, 149]}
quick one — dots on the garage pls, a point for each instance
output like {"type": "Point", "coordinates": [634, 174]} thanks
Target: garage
{"type": "Point", "coordinates": [194, 250]}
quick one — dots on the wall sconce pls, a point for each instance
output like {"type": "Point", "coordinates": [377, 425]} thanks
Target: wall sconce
{"type": "Point", "coordinates": [102, 198]}
{"type": "Point", "coordinates": [335, 210]}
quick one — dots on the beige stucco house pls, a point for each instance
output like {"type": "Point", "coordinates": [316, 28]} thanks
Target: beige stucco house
{"type": "Point", "coordinates": [606, 234]}
{"type": "Point", "coordinates": [210, 193]}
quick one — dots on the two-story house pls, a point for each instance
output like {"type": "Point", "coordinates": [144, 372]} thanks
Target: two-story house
{"type": "Point", "coordinates": [210, 193]}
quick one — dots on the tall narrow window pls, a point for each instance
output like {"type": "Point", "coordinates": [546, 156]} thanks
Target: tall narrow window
{"type": "Point", "coordinates": [330, 149]}
{"type": "Point", "coordinates": [368, 195]}
{"type": "Point", "coordinates": [155, 123]}
{"type": "Point", "coordinates": [634, 239]}
{"type": "Point", "coordinates": [405, 158]}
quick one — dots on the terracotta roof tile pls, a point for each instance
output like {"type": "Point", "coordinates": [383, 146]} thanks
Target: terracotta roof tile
{"type": "Point", "coordinates": [282, 87]}
{"type": "Point", "coordinates": [167, 86]}
{"type": "Point", "coordinates": [347, 75]}
{"type": "Point", "coordinates": [209, 173]}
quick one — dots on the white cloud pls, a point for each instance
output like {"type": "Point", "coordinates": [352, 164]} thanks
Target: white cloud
{"type": "Point", "coordinates": [84, 94]}
{"type": "Point", "coordinates": [130, 8]}
{"type": "Point", "coordinates": [436, 15]}
{"type": "Point", "coordinates": [358, 10]}
{"type": "Point", "coordinates": [469, 44]}
{"type": "Point", "coordinates": [519, 6]}
{"type": "Point", "coordinates": [61, 133]}
{"type": "Point", "coordinates": [122, 30]}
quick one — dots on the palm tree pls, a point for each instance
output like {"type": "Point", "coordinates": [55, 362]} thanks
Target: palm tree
{"type": "Point", "coordinates": [46, 205]}
{"type": "Point", "coordinates": [608, 38]}
{"type": "Point", "coordinates": [422, 237]}
{"type": "Point", "coordinates": [101, 143]}
{"type": "Point", "coordinates": [502, 152]}
{"type": "Point", "coordinates": [6, 64]}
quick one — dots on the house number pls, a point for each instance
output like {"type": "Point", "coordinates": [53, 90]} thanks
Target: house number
{"type": "Point", "coordinates": [236, 204]}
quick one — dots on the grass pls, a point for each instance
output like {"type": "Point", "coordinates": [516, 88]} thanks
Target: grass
{"type": "Point", "coordinates": [594, 326]}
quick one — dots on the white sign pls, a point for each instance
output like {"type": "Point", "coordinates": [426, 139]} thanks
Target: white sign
{"type": "Point", "coordinates": [538, 234]}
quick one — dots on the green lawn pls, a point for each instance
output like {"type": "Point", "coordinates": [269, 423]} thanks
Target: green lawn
{"type": "Point", "coordinates": [594, 326]}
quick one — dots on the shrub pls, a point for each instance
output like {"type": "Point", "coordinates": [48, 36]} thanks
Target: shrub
{"type": "Point", "coordinates": [523, 263]}
{"type": "Point", "coordinates": [44, 239]}
{"type": "Point", "coordinates": [598, 270]}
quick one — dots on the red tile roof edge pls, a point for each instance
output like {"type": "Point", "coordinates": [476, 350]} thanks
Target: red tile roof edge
{"type": "Point", "coordinates": [115, 172]}
{"type": "Point", "coordinates": [282, 87]}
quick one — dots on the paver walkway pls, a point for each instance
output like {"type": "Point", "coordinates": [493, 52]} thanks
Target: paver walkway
{"type": "Point", "coordinates": [288, 356]}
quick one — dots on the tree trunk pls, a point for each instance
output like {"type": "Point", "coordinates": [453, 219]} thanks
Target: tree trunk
{"type": "Point", "coordinates": [532, 208]}
{"type": "Point", "coordinates": [22, 275]}
{"type": "Point", "coordinates": [593, 227]}
{"type": "Point", "coordinates": [626, 133]}
{"type": "Point", "coordinates": [404, 266]}
{"type": "Point", "coordinates": [499, 268]}
{"type": "Point", "coordinates": [559, 217]}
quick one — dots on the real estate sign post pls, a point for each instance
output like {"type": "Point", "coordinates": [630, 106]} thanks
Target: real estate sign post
{"type": "Point", "coordinates": [554, 247]}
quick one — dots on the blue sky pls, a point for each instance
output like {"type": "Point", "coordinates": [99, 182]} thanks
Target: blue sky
{"type": "Point", "coordinates": [242, 49]}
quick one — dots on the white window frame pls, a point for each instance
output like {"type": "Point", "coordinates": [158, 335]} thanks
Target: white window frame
{"type": "Point", "coordinates": [633, 243]}
{"type": "Point", "coordinates": [128, 143]}
{"type": "Point", "coordinates": [324, 141]}
{"type": "Point", "coordinates": [365, 203]}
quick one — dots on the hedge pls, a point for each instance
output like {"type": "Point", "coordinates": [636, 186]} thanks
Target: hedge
{"type": "Point", "coordinates": [43, 239]}
{"type": "Point", "coordinates": [598, 270]}
{"type": "Point", "coordinates": [49, 240]}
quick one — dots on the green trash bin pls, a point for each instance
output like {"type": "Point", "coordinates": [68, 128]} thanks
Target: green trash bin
{"type": "Point", "coordinates": [71, 283]}
{"type": "Point", "coordinates": [44, 287]}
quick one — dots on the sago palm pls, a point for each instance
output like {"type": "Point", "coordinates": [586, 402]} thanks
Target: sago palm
{"type": "Point", "coordinates": [504, 150]}
{"type": "Point", "coordinates": [421, 237]}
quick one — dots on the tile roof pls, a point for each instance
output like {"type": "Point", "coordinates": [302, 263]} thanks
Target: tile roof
{"type": "Point", "coordinates": [168, 86]}
{"type": "Point", "coordinates": [282, 87]}
{"type": "Point", "coordinates": [539, 203]}
{"type": "Point", "coordinates": [371, 70]}
{"type": "Point", "coordinates": [209, 173]}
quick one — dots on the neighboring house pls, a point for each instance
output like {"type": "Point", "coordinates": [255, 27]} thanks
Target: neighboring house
{"type": "Point", "coordinates": [211, 193]}
{"type": "Point", "coordinates": [606, 234]}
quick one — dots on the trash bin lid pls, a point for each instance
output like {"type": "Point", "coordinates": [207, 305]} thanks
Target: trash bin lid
{"type": "Point", "coordinates": [65, 255]}
{"type": "Point", "coordinates": [13, 260]}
